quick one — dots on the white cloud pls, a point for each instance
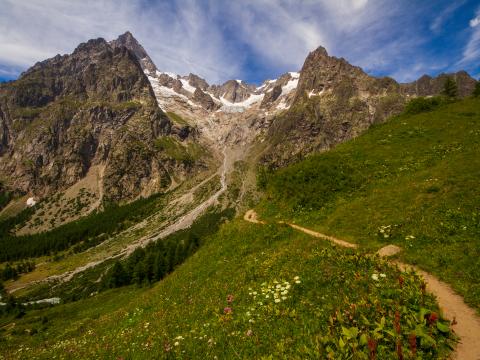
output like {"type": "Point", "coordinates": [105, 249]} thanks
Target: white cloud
{"type": "Point", "coordinates": [220, 40]}
{"type": "Point", "coordinates": [475, 22]}
{"type": "Point", "coordinates": [439, 20]}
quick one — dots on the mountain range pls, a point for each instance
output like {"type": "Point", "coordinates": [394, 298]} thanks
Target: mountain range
{"type": "Point", "coordinates": [102, 110]}
{"type": "Point", "coordinates": [114, 173]}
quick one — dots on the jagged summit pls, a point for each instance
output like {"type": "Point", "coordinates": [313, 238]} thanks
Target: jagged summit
{"type": "Point", "coordinates": [128, 40]}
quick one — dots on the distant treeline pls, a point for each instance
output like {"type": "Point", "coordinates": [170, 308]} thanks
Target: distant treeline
{"type": "Point", "coordinates": [84, 233]}
{"type": "Point", "coordinates": [12, 272]}
{"type": "Point", "coordinates": [145, 266]}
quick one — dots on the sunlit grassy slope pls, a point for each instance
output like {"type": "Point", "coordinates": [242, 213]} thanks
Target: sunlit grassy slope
{"type": "Point", "coordinates": [327, 304]}
{"type": "Point", "coordinates": [413, 181]}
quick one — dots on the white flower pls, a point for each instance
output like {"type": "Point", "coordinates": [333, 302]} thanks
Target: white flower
{"type": "Point", "coordinates": [284, 298]}
{"type": "Point", "coordinates": [176, 343]}
{"type": "Point", "coordinates": [278, 286]}
{"type": "Point", "coordinates": [297, 282]}
{"type": "Point", "coordinates": [287, 287]}
{"type": "Point", "coordinates": [296, 278]}
{"type": "Point", "coordinates": [254, 293]}
{"type": "Point", "coordinates": [277, 300]}
{"type": "Point", "coordinates": [383, 275]}
{"type": "Point", "coordinates": [375, 277]}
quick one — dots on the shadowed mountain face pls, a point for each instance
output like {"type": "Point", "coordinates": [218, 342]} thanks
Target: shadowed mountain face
{"type": "Point", "coordinates": [68, 113]}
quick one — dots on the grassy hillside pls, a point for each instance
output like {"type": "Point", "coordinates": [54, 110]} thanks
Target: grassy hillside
{"type": "Point", "coordinates": [412, 181]}
{"type": "Point", "coordinates": [266, 291]}
{"type": "Point", "coordinates": [221, 302]}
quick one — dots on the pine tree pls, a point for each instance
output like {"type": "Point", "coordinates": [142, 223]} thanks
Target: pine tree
{"type": "Point", "coordinates": [118, 276]}
{"type": "Point", "coordinates": [160, 267]}
{"type": "Point", "coordinates": [476, 91]}
{"type": "Point", "coordinates": [450, 88]}
{"type": "Point", "coordinates": [148, 267]}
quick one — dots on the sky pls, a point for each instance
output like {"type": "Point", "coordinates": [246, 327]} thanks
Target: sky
{"type": "Point", "coordinates": [253, 40]}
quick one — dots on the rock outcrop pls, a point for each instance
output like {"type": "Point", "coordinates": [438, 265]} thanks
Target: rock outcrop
{"type": "Point", "coordinates": [428, 86]}
{"type": "Point", "coordinates": [68, 113]}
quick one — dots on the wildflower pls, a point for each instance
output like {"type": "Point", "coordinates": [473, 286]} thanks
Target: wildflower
{"type": "Point", "coordinates": [277, 300]}
{"type": "Point", "coordinates": [412, 340]}
{"type": "Point", "coordinates": [399, 350]}
{"type": "Point", "coordinates": [227, 310]}
{"type": "Point", "coordinates": [296, 278]}
{"type": "Point", "coordinates": [383, 275]}
{"type": "Point", "coordinates": [249, 332]}
{"type": "Point", "coordinates": [278, 286]}
{"type": "Point", "coordinates": [375, 277]}
{"type": "Point", "coordinates": [397, 322]}
{"type": "Point", "coordinates": [284, 292]}
{"type": "Point", "coordinates": [176, 343]}
{"type": "Point", "coordinates": [297, 281]}
{"type": "Point", "coordinates": [254, 293]}
{"type": "Point", "coordinates": [372, 346]}
{"type": "Point", "coordinates": [284, 298]}
{"type": "Point", "coordinates": [229, 299]}
{"type": "Point", "coordinates": [432, 318]}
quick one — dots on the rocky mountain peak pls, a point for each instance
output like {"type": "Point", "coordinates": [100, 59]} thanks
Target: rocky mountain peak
{"type": "Point", "coordinates": [128, 40]}
{"type": "Point", "coordinates": [93, 45]}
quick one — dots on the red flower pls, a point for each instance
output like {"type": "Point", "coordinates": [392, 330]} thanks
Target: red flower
{"type": "Point", "coordinates": [432, 318]}
{"type": "Point", "coordinates": [397, 322]}
{"type": "Point", "coordinates": [230, 299]}
{"type": "Point", "coordinates": [372, 346]}
{"type": "Point", "coordinates": [227, 310]}
{"type": "Point", "coordinates": [412, 339]}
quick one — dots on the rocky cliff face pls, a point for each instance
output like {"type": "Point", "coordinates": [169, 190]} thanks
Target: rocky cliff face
{"type": "Point", "coordinates": [127, 40]}
{"type": "Point", "coordinates": [334, 101]}
{"type": "Point", "coordinates": [427, 85]}
{"type": "Point", "coordinates": [93, 107]}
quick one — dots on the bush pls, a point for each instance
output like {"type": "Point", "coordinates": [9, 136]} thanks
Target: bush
{"type": "Point", "coordinates": [421, 104]}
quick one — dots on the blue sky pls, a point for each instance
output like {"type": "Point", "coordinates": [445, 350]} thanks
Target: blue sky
{"type": "Point", "coordinates": [252, 40]}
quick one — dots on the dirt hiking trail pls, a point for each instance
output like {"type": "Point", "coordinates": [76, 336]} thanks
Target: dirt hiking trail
{"type": "Point", "coordinates": [466, 322]}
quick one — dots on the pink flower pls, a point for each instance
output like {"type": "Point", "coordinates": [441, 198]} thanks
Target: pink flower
{"type": "Point", "coordinates": [230, 299]}
{"type": "Point", "coordinates": [227, 310]}
{"type": "Point", "coordinates": [249, 332]}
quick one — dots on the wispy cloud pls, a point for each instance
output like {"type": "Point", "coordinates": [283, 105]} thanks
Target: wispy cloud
{"type": "Point", "coordinates": [475, 22]}
{"type": "Point", "coordinates": [220, 39]}
{"type": "Point", "coordinates": [445, 14]}
{"type": "Point", "coordinates": [471, 51]}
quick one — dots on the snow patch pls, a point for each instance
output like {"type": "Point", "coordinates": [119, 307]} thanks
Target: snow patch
{"type": "Point", "coordinates": [240, 106]}
{"type": "Point", "coordinates": [163, 92]}
{"type": "Point", "coordinates": [290, 85]}
{"type": "Point", "coordinates": [315, 93]}
{"type": "Point", "coordinates": [172, 75]}
{"type": "Point", "coordinates": [186, 85]}
{"type": "Point", "coordinates": [294, 74]}
{"type": "Point", "coordinates": [52, 301]}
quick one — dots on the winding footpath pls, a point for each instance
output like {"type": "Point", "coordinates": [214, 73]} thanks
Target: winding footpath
{"type": "Point", "coordinates": [465, 321]}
